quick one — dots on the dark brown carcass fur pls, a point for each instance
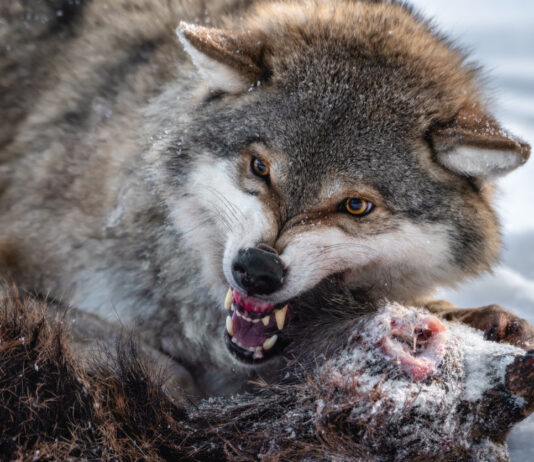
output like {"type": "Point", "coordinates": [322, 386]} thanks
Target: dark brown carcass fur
{"type": "Point", "coordinates": [117, 407]}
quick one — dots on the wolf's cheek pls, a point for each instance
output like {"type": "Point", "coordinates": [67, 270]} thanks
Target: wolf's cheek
{"type": "Point", "coordinates": [311, 255]}
{"type": "Point", "coordinates": [243, 220]}
{"type": "Point", "coordinates": [217, 218]}
{"type": "Point", "coordinates": [404, 262]}
{"type": "Point", "coordinates": [410, 262]}
{"type": "Point", "coordinates": [257, 225]}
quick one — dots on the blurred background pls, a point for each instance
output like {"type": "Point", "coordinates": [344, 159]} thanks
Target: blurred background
{"type": "Point", "coordinates": [500, 37]}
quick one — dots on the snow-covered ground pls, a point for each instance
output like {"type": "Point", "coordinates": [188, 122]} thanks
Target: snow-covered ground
{"type": "Point", "coordinates": [500, 35]}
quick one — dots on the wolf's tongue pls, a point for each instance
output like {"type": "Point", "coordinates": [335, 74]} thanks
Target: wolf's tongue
{"type": "Point", "coordinates": [252, 334]}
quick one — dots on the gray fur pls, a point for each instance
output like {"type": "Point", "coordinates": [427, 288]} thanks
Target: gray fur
{"type": "Point", "coordinates": [91, 171]}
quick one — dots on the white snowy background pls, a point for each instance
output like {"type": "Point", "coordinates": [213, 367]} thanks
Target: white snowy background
{"type": "Point", "coordinates": [500, 36]}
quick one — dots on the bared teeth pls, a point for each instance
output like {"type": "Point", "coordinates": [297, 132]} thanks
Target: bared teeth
{"type": "Point", "coordinates": [230, 326]}
{"type": "Point", "coordinates": [244, 316]}
{"type": "Point", "coordinates": [269, 343]}
{"type": "Point", "coordinates": [280, 316]}
{"type": "Point", "coordinates": [258, 354]}
{"type": "Point", "coordinates": [265, 320]}
{"type": "Point", "coordinates": [228, 299]}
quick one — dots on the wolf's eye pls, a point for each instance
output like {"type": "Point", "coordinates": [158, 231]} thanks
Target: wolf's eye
{"type": "Point", "coordinates": [259, 168]}
{"type": "Point", "coordinates": [358, 207]}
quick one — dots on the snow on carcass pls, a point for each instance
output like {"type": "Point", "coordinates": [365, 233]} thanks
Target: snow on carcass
{"type": "Point", "coordinates": [428, 383]}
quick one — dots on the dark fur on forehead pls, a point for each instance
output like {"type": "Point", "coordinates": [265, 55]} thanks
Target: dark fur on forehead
{"type": "Point", "coordinates": [378, 48]}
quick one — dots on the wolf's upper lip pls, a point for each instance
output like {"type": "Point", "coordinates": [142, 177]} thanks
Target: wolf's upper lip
{"type": "Point", "coordinates": [252, 304]}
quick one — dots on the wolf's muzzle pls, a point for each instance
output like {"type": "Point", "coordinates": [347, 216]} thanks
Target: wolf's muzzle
{"type": "Point", "coordinates": [258, 271]}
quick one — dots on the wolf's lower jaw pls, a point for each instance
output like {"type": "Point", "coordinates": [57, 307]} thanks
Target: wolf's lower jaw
{"type": "Point", "coordinates": [253, 327]}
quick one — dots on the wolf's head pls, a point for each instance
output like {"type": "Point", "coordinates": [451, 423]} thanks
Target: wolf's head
{"type": "Point", "coordinates": [341, 140]}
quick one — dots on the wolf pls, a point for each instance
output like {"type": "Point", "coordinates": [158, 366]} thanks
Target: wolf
{"type": "Point", "coordinates": [190, 169]}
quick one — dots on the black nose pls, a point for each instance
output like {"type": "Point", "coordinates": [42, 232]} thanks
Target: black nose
{"type": "Point", "coordinates": [258, 272]}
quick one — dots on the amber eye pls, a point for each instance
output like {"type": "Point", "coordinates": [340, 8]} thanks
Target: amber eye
{"type": "Point", "coordinates": [358, 207]}
{"type": "Point", "coordinates": [259, 168]}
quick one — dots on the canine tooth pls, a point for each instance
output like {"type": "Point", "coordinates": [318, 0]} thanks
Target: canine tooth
{"type": "Point", "coordinates": [230, 326]}
{"type": "Point", "coordinates": [280, 316]}
{"type": "Point", "coordinates": [228, 299]}
{"type": "Point", "coordinates": [266, 320]}
{"type": "Point", "coordinates": [269, 343]}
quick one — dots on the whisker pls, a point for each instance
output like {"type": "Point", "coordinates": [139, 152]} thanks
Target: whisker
{"type": "Point", "coordinates": [195, 228]}
{"type": "Point", "coordinates": [226, 214]}
{"type": "Point", "coordinates": [222, 218]}
{"type": "Point", "coordinates": [227, 204]}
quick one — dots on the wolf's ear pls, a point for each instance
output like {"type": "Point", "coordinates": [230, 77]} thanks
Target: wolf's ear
{"type": "Point", "coordinates": [474, 145]}
{"type": "Point", "coordinates": [226, 60]}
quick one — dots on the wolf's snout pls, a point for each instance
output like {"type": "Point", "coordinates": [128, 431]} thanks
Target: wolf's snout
{"type": "Point", "coordinates": [257, 271]}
